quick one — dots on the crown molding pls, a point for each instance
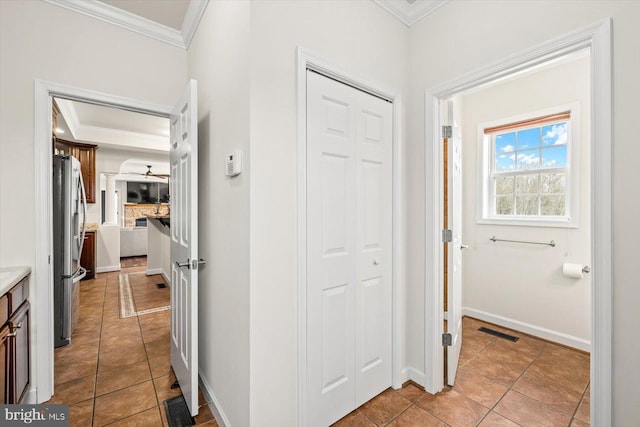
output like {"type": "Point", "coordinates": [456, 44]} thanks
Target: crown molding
{"type": "Point", "coordinates": [410, 13]}
{"type": "Point", "coordinates": [192, 20]}
{"type": "Point", "coordinates": [121, 18]}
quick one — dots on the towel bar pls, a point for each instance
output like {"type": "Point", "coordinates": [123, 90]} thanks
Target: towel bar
{"type": "Point", "coordinates": [551, 243]}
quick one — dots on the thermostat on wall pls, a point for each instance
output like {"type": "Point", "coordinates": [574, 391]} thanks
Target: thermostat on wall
{"type": "Point", "coordinates": [233, 163]}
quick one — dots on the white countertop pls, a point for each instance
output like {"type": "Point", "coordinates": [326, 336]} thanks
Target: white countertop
{"type": "Point", "coordinates": [10, 276]}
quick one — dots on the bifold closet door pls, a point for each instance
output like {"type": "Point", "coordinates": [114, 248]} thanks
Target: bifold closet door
{"type": "Point", "coordinates": [349, 223]}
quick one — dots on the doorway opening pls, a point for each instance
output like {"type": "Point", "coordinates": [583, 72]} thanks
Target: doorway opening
{"type": "Point", "coordinates": [495, 202]}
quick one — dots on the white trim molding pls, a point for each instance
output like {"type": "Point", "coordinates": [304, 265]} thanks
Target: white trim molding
{"type": "Point", "coordinates": [527, 328]}
{"type": "Point", "coordinates": [597, 37]}
{"type": "Point", "coordinates": [308, 60]}
{"type": "Point", "coordinates": [108, 268]}
{"type": "Point", "coordinates": [121, 18]}
{"type": "Point", "coordinates": [213, 403]}
{"type": "Point", "coordinates": [410, 13]}
{"type": "Point", "coordinates": [42, 275]}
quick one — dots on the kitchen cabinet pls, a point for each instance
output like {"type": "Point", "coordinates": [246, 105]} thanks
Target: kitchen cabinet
{"type": "Point", "coordinates": [19, 372]}
{"type": "Point", "coordinates": [4, 364]}
{"type": "Point", "coordinates": [15, 330]}
{"type": "Point", "coordinates": [86, 154]}
{"type": "Point", "coordinates": [88, 257]}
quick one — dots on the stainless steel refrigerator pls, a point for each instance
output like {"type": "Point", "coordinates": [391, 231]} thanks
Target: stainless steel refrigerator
{"type": "Point", "coordinates": [69, 224]}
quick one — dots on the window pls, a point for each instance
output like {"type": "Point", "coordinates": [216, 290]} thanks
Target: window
{"type": "Point", "coordinates": [527, 172]}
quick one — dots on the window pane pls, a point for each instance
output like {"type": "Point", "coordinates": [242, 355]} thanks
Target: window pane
{"type": "Point", "coordinates": [528, 139]}
{"type": "Point", "coordinates": [553, 183]}
{"type": "Point", "coordinates": [504, 185]}
{"type": "Point", "coordinates": [528, 160]}
{"type": "Point", "coordinates": [527, 184]}
{"type": "Point", "coordinates": [554, 157]}
{"type": "Point", "coordinates": [552, 205]}
{"type": "Point", "coordinates": [554, 134]}
{"type": "Point", "coordinates": [506, 142]}
{"type": "Point", "coordinates": [504, 205]}
{"type": "Point", "coordinates": [527, 205]}
{"type": "Point", "coordinates": [505, 162]}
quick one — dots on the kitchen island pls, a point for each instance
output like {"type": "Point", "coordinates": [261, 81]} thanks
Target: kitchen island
{"type": "Point", "coordinates": [159, 245]}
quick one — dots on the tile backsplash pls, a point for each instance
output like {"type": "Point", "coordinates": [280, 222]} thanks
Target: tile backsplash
{"type": "Point", "coordinates": [133, 211]}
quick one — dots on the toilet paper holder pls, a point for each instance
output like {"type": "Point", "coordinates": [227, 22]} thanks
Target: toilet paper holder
{"type": "Point", "coordinates": [586, 269]}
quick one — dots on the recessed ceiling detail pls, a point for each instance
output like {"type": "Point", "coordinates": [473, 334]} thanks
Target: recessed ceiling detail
{"type": "Point", "coordinates": [114, 128]}
{"type": "Point", "coordinates": [144, 24]}
{"type": "Point", "coordinates": [410, 11]}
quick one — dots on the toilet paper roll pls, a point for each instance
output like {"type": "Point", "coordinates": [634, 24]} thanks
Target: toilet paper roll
{"type": "Point", "coordinates": [572, 270]}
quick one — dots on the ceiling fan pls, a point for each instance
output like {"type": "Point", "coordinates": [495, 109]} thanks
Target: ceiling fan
{"type": "Point", "coordinates": [157, 175]}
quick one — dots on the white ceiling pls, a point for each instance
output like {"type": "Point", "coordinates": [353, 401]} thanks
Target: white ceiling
{"type": "Point", "coordinates": [170, 13]}
{"type": "Point", "coordinates": [112, 128]}
{"type": "Point", "coordinates": [176, 21]}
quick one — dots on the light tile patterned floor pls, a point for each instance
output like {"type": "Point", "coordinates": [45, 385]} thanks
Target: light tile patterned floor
{"type": "Point", "coordinates": [499, 383]}
{"type": "Point", "coordinates": [117, 371]}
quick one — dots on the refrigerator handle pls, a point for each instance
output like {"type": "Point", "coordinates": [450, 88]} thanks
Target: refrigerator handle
{"type": "Point", "coordinates": [84, 217]}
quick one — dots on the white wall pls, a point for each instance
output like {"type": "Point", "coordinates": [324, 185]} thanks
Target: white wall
{"type": "Point", "coordinates": [360, 37]}
{"type": "Point", "coordinates": [453, 41]}
{"type": "Point", "coordinates": [219, 60]}
{"type": "Point", "coordinates": [522, 282]}
{"type": "Point", "coordinates": [43, 41]}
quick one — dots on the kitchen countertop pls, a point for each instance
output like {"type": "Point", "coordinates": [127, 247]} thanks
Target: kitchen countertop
{"type": "Point", "coordinates": [92, 226]}
{"type": "Point", "coordinates": [10, 276]}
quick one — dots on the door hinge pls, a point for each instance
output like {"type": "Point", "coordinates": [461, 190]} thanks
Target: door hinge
{"type": "Point", "coordinates": [446, 132]}
{"type": "Point", "coordinates": [447, 339]}
{"type": "Point", "coordinates": [447, 236]}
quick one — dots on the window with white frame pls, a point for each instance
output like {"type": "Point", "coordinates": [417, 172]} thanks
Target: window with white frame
{"type": "Point", "coordinates": [527, 170]}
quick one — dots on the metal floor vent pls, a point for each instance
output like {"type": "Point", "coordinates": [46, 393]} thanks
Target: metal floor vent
{"type": "Point", "coordinates": [178, 412]}
{"type": "Point", "coordinates": [498, 334]}
{"type": "Point", "coordinates": [161, 285]}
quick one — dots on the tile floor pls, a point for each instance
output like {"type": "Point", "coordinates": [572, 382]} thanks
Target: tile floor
{"type": "Point", "coordinates": [117, 371]}
{"type": "Point", "coordinates": [499, 383]}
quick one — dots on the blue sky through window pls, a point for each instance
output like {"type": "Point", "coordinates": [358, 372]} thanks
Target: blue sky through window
{"type": "Point", "coordinates": [524, 152]}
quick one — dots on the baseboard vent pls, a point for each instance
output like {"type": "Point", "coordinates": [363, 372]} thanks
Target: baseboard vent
{"type": "Point", "coordinates": [498, 334]}
{"type": "Point", "coordinates": [161, 285]}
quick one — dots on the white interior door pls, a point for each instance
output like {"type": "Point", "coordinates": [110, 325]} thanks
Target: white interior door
{"type": "Point", "coordinates": [184, 244]}
{"type": "Point", "coordinates": [454, 282]}
{"type": "Point", "coordinates": [348, 248]}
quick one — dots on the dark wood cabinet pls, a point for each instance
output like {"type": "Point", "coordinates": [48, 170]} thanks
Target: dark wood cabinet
{"type": "Point", "coordinates": [88, 257]}
{"type": "Point", "coordinates": [86, 154]}
{"type": "Point", "coordinates": [15, 370]}
{"type": "Point", "coordinates": [4, 364]}
{"type": "Point", "coordinates": [19, 349]}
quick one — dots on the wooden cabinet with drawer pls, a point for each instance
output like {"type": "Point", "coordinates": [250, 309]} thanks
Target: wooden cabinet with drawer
{"type": "Point", "coordinates": [19, 349]}
{"type": "Point", "coordinates": [15, 372]}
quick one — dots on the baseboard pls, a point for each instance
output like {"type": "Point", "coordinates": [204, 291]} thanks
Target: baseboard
{"type": "Point", "coordinates": [154, 271]}
{"type": "Point", "coordinates": [108, 268]}
{"type": "Point", "coordinates": [536, 331]}
{"type": "Point", "coordinates": [166, 278]}
{"type": "Point", "coordinates": [213, 403]}
{"type": "Point", "coordinates": [412, 374]}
